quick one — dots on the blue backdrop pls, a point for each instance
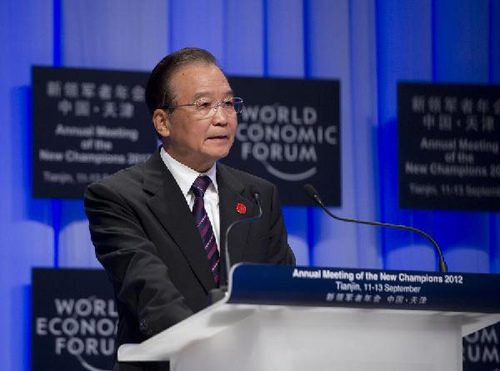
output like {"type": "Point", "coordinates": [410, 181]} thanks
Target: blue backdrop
{"type": "Point", "coordinates": [367, 45]}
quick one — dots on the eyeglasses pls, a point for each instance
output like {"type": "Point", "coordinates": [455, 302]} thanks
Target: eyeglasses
{"type": "Point", "coordinates": [206, 107]}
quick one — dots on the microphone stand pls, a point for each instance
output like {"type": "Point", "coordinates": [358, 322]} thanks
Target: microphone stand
{"type": "Point", "coordinates": [220, 292]}
{"type": "Point", "coordinates": [313, 194]}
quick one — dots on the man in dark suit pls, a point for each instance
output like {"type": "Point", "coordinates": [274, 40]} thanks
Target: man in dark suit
{"type": "Point", "coordinates": [158, 227]}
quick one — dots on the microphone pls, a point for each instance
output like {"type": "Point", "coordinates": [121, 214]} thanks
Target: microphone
{"type": "Point", "coordinates": [313, 194]}
{"type": "Point", "coordinates": [219, 293]}
{"type": "Point", "coordinates": [256, 197]}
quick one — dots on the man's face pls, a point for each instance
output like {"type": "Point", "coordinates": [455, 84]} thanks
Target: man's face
{"type": "Point", "coordinates": [196, 141]}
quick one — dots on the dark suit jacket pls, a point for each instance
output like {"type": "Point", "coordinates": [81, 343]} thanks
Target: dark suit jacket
{"type": "Point", "coordinates": [146, 238]}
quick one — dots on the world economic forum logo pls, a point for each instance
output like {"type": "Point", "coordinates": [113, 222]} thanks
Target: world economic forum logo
{"type": "Point", "coordinates": [83, 328]}
{"type": "Point", "coordinates": [283, 138]}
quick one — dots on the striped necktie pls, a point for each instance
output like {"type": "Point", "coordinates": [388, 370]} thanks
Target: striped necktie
{"type": "Point", "coordinates": [202, 221]}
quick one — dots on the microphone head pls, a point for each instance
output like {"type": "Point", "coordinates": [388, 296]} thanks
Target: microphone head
{"type": "Point", "coordinates": [255, 193]}
{"type": "Point", "coordinates": [311, 192]}
{"type": "Point", "coordinates": [256, 197]}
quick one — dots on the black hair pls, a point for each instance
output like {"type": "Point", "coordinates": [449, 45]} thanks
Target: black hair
{"type": "Point", "coordinates": [158, 91]}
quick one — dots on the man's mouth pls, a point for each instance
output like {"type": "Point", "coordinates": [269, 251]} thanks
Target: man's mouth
{"type": "Point", "coordinates": [218, 137]}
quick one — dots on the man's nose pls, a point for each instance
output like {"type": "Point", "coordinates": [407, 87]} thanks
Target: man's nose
{"type": "Point", "coordinates": [220, 114]}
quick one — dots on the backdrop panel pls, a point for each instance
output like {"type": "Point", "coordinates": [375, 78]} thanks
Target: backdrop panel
{"type": "Point", "coordinates": [404, 52]}
{"type": "Point", "coordinates": [368, 45]}
{"type": "Point", "coordinates": [26, 237]}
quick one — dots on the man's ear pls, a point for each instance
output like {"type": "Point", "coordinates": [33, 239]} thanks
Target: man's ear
{"type": "Point", "coordinates": [161, 121]}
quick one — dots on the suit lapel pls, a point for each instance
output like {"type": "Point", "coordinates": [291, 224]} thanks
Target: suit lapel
{"type": "Point", "coordinates": [231, 192]}
{"type": "Point", "coordinates": [169, 206]}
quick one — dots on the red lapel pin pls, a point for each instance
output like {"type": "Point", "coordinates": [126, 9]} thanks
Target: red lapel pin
{"type": "Point", "coordinates": [241, 208]}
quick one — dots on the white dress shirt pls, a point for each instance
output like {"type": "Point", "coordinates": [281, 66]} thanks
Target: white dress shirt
{"type": "Point", "coordinates": [185, 177]}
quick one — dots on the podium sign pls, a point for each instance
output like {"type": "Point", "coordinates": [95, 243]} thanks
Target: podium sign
{"type": "Point", "coordinates": [362, 288]}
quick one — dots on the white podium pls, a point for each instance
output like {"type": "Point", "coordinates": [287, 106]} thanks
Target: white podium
{"type": "Point", "coordinates": [278, 321]}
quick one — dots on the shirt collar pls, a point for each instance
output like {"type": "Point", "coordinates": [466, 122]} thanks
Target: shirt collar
{"type": "Point", "coordinates": [184, 175]}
